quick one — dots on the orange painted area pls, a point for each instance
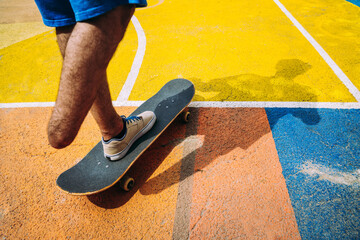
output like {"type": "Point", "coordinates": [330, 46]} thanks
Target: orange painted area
{"type": "Point", "coordinates": [239, 190]}
{"type": "Point", "coordinates": [32, 207]}
{"type": "Point", "coordinates": [235, 189]}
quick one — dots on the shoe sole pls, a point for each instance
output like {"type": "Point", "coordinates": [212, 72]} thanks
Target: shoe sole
{"type": "Point", "coordinates": [122, 154]}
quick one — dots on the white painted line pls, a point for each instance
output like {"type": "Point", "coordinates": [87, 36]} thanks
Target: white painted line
{"type": "Point", "coordinates": [27, 104]}
{"type": "Point", "coordinates": [339, 73]}
{"type": "Point", "coordinates": [159, 3]}
{"type": "Point", "coordinates": [122, 100]}
{"type": "Point", "coordinates": [329, 105]}
{"type": "Point", "coordinates": [128, 103]}
{"type": "Point", "coordinates": [135, 68]}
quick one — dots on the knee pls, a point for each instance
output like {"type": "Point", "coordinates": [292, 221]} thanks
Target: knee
{"type": "Point", "coordinates": [58, 139]}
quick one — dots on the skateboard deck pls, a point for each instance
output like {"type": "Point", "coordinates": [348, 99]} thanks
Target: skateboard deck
{"type": "Point", "coordinates": [95, 173]}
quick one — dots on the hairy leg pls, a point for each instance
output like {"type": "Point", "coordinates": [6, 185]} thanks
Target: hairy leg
{"type": "Point", "coordinates": [109, 121]}
{"type": "Point", "coordinates": [62, 36]}
{"type": "Point", "coordinates": [87, 50]}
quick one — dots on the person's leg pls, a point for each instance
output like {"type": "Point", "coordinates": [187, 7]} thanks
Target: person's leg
{"type": "Point", "coordinates": [83, 85]}
{"type": "Point", "coordinates": [62, 37]}
{"type": "Point", "coordinates": [111, 124]}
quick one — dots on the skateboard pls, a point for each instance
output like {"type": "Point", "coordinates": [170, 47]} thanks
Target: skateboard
{"type": "Point", "coordinates": [95, 173]}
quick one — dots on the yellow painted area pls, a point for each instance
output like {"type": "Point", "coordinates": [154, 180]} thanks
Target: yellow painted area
{"type": "Point", "coordinates": [243, 51]}
{"type": "Point", "coordinates": [30, 70]}
{"type": "Point", "coordinates": [151, 4]}
{"type": "Point", "coordinates": [335, 25]}
{"type": "Point", "coordinates": [19, 20]}
{"type": "Point", "coordinates": [15, 32]}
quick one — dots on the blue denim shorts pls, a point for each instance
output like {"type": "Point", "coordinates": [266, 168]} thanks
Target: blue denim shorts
{"type": "Point", "coordinates": [59, 13]}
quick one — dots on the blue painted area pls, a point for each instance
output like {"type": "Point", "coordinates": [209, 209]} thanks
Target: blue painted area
{"type": "Point", "coordinates": [356, 2]}
{"type": "Point", "coordinates": [319, 150]}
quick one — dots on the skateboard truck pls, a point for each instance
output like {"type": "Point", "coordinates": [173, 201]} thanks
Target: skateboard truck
{"type": "Point", "coordinates": [126, 183]}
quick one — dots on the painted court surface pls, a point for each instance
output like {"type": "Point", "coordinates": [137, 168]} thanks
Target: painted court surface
{"type": "Point", "coordinates": [272, 150]}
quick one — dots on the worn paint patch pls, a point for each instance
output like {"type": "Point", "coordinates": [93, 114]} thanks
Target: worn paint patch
{"type": "Point", "coordinates": [324, 173]}
{"type": "Point", "coordinates": [319, 151]}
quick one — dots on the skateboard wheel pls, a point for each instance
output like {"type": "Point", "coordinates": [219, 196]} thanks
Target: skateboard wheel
{"type": "Point", "coordinates": [186, 116]}
{"type": "Point", "coordinates": [127, 183]}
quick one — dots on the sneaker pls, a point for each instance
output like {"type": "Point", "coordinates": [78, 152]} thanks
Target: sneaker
{"type": "Point", "coordinates": [136, 126]}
